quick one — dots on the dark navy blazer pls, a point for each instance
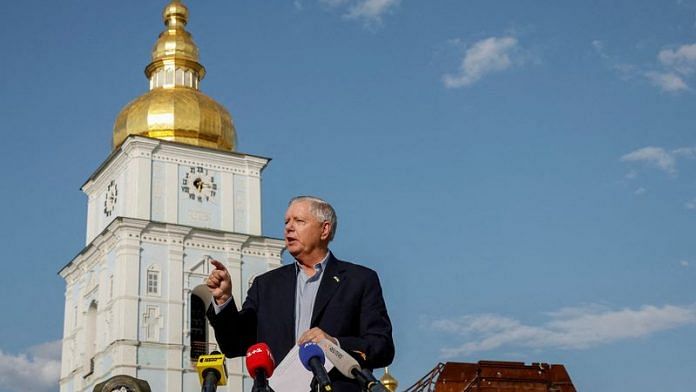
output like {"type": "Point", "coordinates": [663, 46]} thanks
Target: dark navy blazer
{"type": "Point", "coordinates": [349, 306]}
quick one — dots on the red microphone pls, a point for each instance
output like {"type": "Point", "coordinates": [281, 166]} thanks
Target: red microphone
{"type": "Point", "coordinates": [260, 363]}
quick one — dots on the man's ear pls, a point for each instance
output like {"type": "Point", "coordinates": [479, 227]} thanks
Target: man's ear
{"type": "Point", "coordinates": [325, 230]}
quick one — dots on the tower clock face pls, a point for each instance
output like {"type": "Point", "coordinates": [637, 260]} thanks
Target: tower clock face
{"type": "Point", "coordinates": [110, 198]}
{"type": "Point", "coordinates": [198, 185]}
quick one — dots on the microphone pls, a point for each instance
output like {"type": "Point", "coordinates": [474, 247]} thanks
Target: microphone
{"type": "Point", "coordinates": [350, 368]}
{"type": "Point", "coordinates": [260, 363]}
{"type": "Point", "coordinates": [313, 359]}
{"type": "Point", "coordinates": [211, 371]}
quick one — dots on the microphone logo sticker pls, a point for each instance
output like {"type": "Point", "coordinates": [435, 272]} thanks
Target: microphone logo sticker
{"type": "Point", "coordinates": [335, 352]}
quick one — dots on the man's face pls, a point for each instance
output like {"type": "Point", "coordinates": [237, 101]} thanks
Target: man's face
{"type": "Point", "coordinates": [305, 235]}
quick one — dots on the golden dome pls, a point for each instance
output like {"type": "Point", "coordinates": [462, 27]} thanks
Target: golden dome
{"type": "Point", "coordinates": [174, 109]}
{"type": "Point", "coordinates": [389, 381]}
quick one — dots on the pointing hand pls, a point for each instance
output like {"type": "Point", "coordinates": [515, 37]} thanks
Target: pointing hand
{"type": "Point", "coordinates": [219, 283]}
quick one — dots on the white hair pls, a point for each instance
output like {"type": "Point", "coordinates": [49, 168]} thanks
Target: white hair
{"type": "Point", "coordinates": [321, 209]}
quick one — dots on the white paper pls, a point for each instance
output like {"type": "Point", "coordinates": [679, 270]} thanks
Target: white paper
{"type": "Point", "coordinates": [291, 376]}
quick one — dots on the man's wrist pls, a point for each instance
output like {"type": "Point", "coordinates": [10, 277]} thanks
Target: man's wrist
{"type": "Point", "coordinates": [222, 299]}
{"type": "Point", "coordinates": [219, 307]}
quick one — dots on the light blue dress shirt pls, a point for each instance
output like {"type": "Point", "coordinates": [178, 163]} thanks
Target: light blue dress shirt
{"type": "Point", "coordinates": [306, 294]}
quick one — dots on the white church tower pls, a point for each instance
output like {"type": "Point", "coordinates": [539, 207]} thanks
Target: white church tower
{"type": "Point", "coordinates": [172, 194]}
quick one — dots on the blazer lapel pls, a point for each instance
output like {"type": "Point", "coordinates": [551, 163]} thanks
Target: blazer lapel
{"type": "Point", "coordinates": [287, 285]}
{"type": "Point", "coordinates": [330, 281]}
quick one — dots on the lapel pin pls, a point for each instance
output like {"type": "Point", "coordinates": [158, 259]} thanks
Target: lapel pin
{"type": "Point", "coordinates": [336, 279]}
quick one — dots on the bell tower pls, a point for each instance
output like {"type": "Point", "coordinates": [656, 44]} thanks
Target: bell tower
{"type": "Point", "coordinates": [173, 193]}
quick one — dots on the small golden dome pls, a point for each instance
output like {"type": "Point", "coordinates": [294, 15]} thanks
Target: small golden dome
{"type": "Point", "coordinates": [174, 109]}
{"type": "Point", "coordinates": [389, 381]}
{"type": "Point", "coordinates": [175, 43]}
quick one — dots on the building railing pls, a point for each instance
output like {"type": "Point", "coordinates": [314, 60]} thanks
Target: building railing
{"type": "Point", "coordinates": [201, 348]}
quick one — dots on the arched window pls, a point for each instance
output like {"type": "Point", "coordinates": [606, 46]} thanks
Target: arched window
{"type": "Point", "coordinates": [199, 328]}
{"type": "Point", "coordinates": [90, 335]}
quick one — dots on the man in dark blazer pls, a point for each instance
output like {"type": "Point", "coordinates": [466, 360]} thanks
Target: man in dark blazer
{"type": "Point", "coordinates": [318, 297]}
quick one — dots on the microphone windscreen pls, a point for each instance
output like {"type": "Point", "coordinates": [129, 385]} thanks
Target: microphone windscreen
{"type": "Point", "coordinates": [214, 362]}
{"type": "Point", "coordinates": [341, 359]}
{"type": "Point", "coordinates": [259, 356]}
{"type": "Point", "coordinates": [308, 351]}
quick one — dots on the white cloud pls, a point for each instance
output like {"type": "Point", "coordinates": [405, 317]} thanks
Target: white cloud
{"type": "Point", "coordinates": [36, 370]}
{"type": "Point", "coordinates": [493, 54]}
{"type": "Point", "coordinates": [631, 174]}
{"type": "Point", "coordinates": [684, 263]}
{"type": "Point", "coordinates": [334, 3]}
{"type": "Point", "coordinates": [667, 81]}
{"type": "Point", "coordinates": [677, 64]}
{"type": "Point", "coordinates": [659, 158]}
{"type": "Point", "coordinates": [624, 70]}
{"type": "Point", "coordinates": [671, 73]}
{"type": "Point", "coordinates": [640, 191]}
{"type": "Point", "coordinates": [368, 11]}
{"type": "Point", "coordinates": [653, 156]}
{"type": "Point", "coordinates": [371, 11]}
{"type": "Point", "coordinates": [686, 152]}
{"type": "Point", "coordinates": [600, 47]}
{"type": "Point", "coordinates": [691, 204]}
{"type": "Point", "coordinates": [682, 60]}
{"type": "Point", "coordinates": [568, 328]}
{"type": "Point", "coordinates": [298, 5]}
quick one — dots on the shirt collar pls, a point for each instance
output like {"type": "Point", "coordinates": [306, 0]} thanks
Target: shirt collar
{"type": "Point", "coordinates": [320, 267]}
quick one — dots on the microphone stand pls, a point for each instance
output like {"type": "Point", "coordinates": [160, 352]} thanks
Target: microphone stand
{"type": "Point", "coordinates": [314, 385]}
{"type": "Point", "coordinates": [211, 380]}
{"type": "Point", "coordinates": [261, 379]}
{"type": "Point", "coordinates": [368, 381]}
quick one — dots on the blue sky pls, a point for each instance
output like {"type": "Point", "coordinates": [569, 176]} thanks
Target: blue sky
{"type": "Point", "coordinates": [522, 175]}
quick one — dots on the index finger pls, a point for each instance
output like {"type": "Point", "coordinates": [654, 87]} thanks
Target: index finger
{"type": "Point", "coordinates": [218, 265]}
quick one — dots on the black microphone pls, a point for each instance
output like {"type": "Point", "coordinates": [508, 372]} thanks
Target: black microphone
{"type": "Point", "coordinates": [313, 359]}
{"type": "Point", "coordinates": [350, 368]}
{"type": "Point", "coordinates": [368, 381]}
